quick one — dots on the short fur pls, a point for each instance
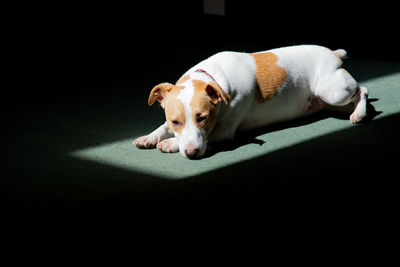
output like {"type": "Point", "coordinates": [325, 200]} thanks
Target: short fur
{"type": "Point", "coordinates": [233, 91]}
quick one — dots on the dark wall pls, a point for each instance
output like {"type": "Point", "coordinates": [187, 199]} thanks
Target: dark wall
{"type": "Point", "coordinates": [50, 46]}
{"type": "Point", "coordinates": [50, 41]}
{"type": "Point", "coordinates": [365, 29]}
{"type": "Point", "coordinates": [46, 40]}
{"type": "Point", "coordinates": [91, 31]}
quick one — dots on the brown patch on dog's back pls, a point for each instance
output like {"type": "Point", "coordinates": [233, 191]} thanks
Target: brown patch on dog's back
{"type": "Point", "coordinates": [270, 77]}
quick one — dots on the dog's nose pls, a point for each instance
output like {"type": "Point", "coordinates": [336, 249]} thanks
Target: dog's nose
{"type": "Point", "coordinates": [191, 151]}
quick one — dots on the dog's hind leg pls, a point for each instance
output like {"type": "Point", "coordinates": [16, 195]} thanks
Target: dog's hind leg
{"type": "Point", "coordinates": [360, 105]}
{"type": "Point", "coordinates": [340, 90]}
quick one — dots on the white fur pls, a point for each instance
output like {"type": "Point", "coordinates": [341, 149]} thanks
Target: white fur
{"type": "Point", "coordinates": [312, 72]}
{"type": "Point", "coordinates": [190, 135]}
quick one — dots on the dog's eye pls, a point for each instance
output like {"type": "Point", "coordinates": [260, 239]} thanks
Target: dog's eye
{"type": "Point", "coordinates": [201, 119]}
{"type": "Point", "coordinates": [176, 123]}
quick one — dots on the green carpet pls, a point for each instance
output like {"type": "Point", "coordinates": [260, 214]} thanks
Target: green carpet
{"type": "Point", "coordinates": [384, 93]}
{"type": "Point", "coordinates": [75, 152]}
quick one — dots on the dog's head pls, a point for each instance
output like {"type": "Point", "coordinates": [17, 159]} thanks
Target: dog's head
{"type": "Point", "coordinates": [191, 110]}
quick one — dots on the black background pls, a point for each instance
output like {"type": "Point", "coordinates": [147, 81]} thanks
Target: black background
{"type": "Point", "coordinates": [50, 45]}
{"type": "Point", "coordinates": [48, 41]}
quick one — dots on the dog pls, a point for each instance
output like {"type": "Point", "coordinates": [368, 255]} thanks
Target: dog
{"type": "Point", "coordinates": [232, 91]}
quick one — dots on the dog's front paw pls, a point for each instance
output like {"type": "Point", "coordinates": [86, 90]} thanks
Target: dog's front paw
{"type": "Point", "coordinates": [168, 145]}
{"type": "Point", "coordinates": [146, 141]}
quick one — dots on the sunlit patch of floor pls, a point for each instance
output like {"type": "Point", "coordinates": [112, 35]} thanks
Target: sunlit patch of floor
{"type": "Point", "coordinates": [123, 154]}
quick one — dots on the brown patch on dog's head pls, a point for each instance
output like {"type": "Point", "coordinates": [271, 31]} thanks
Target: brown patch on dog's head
{"type": "Point", "coordinates": [159, 93]}
{"type": "Point", "coordinates": [270, 77]}
{"type": "Point", "coordinates": [183, 79]}
{"type": "Point", "coordinates": [167, 95]}
{"type": "Point", "coordinates": [204, 102]}
{"type": "Point", "coordinates": [175, 111]}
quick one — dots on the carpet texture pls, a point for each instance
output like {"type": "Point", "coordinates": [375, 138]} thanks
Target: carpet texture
{"type": "Point", "coordinates": [75, 152]}
{"type": "Point", "coordinates": [383, 96]}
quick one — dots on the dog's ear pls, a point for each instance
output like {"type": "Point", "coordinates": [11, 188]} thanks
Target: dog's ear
{"type": "Point", "coordinates": [217, 94]}
{"type": "Point", "coordinates": [159, 93]}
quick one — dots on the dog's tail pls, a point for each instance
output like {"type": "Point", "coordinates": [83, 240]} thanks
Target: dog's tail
{"type": "Point", "coordinates": [340, 53]}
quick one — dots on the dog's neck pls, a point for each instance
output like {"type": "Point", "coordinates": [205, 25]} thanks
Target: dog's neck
{"type": "Point", "coordinates": [205, 72]}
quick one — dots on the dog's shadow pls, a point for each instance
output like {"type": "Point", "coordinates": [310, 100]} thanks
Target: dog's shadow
{"type": "Point", "coordinates": [250, 137]}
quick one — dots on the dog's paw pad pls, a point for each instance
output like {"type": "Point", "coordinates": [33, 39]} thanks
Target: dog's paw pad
{"type": "Point", "coordinates": [168, 146]}
{"type": "Point", "coordinates": [145, 142]}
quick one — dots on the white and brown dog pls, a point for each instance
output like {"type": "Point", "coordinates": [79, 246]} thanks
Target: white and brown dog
{"type": "Point", "coordinates": [233, 91]}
